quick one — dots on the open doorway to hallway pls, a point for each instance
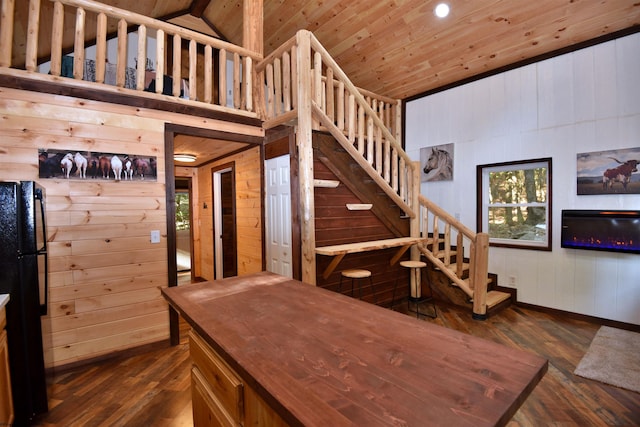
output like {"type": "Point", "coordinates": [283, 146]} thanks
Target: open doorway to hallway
{"type": "Point", "coordinates": [184, 234]}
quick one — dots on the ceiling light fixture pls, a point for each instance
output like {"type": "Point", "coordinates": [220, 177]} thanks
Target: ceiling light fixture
{"type": "Point", "coordinates": [441, 10]}
{"type": "Point", "coordinates": [182, 157]}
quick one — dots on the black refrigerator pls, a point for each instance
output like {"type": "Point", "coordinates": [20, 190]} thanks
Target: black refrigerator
{"type": "Point", "coordinates": [23, 275]}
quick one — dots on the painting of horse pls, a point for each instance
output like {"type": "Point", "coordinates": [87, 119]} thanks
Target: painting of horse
{"type": "Point", "coordinates": [437, 163]}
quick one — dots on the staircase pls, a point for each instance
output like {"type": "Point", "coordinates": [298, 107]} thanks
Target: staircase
{"type": "Point", "coordinates": [367, 128]}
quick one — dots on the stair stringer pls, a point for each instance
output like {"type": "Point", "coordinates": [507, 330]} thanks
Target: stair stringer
{"type": "Point", "coordinates": [328, 151]}
{"type": "Point", "coordinates": [339, 136]}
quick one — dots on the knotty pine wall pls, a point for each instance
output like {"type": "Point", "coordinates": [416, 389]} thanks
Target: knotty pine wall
{"type": "Point", "coordinates": [105, 275]}
{"type": "Point", "coordinates": [248, 181]}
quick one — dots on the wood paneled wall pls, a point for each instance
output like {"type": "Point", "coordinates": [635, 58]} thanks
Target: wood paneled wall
{"type": "Point", "coordinates": [248, 181]}
{"type": "Point", "coordinates": [105, 275]}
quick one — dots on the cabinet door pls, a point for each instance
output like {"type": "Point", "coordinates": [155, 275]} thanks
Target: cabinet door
{"type": "Point", "coordinates": [208, 411]}
{"type": "Point", "coordinates": [6, 403]}
{"type": "Point", "coordinates": [218, 376]}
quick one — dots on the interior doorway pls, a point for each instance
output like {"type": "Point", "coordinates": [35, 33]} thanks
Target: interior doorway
{"type": "Point", "coordinates": [184, 231]}
{"type": "Point", "coordinates": [224, 222]}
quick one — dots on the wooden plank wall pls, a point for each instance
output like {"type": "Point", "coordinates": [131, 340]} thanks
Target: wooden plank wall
{"type": "Point", "coordinates": [248, 170]}
{"type": "Point", "coordinates": [105, 275]}
{"type": "Point", "coordinates": [335, 225]}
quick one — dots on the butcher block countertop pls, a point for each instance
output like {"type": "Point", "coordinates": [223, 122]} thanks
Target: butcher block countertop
{"type": "Point", "coordinates": [319, 358]}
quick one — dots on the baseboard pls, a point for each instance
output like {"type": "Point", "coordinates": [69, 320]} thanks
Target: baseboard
{"type": "Point", "coordinates": [584, 317]}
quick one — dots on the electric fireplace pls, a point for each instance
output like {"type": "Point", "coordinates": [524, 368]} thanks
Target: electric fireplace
{"type": "Point", "coordinates": [601, 230]}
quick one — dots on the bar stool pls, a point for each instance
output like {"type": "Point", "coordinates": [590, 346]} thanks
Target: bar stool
{"type": "Point", "coordinates": [416, 272]}
{"type": "Point", "coordinates": [356, 274]}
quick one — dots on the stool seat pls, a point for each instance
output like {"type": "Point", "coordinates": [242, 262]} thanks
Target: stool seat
{"type": "Point", "coordinates": [413, 264]}
{"type": "Point", "coordinates": [356, 274]}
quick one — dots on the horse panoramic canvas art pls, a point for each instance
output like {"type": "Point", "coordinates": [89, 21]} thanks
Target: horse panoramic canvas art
{"type": "Point", "coordinates": [87, 165]}
{"type": "Point", "coordinates": [436, 163]}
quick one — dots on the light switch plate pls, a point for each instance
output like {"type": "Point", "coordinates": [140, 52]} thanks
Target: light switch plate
{"type": "Point", "coordinates": [155, 236]}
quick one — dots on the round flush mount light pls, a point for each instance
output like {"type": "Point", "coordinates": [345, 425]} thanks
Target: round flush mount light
{"type": "Point", "coordinates": [181, 157]}
{"type": "Point", "coordinates": [441, 10]}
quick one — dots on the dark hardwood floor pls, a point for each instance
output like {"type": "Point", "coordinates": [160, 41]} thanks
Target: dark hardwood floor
{"type": "Point", "coordinates": [152, 389]}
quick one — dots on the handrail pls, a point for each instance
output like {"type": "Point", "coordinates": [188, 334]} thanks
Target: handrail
{"type": "Point", "coordinates": [432, 216]}
{"type": "Point", "coordinates": [389, 165]}
{"type": "Point", "coordinates": [192, 83]}
{"type": "Point", "coordinates": [342, 77]}
{"type": "Point", "coordinates": [340, 107]}
{"type": "Point", "coordinates": [134, 18]}
{"type": "Point", "coordinates": [402, 204]}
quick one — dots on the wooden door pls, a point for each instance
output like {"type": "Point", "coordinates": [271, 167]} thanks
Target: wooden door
{"type": "Point", "coordinates": [224, 222]}
{"type": "Point", "coordinates": [278, 216]}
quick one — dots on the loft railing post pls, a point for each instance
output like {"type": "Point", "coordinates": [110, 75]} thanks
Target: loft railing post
{"type": "Point", "coordinates": [57, 29]}
{"type": "Point", "coordinates": [305, 158]}
{"type": "Point", "coordinates": [33, 31]}
{"type": "Point", "coordinates": [78, 45]}
{"type": "Point", "coordinates": [479, 276]}
{"type": "Point", "coordinates": [6, 32]}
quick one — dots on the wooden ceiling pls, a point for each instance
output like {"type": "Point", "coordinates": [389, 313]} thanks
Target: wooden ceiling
{"type": "Point", "coordinates": [399, 48]}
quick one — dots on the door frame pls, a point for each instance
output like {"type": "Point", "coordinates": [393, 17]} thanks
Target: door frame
{"type": "Point", "coordinates": [170, 130]}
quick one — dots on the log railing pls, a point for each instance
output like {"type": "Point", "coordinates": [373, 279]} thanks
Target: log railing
{"type": "Point", "coordinates": [365, 124]}
{"type": "Point", "coordinates": [96, 20]}
{"type": "Point", "coordinates": [448, 240]}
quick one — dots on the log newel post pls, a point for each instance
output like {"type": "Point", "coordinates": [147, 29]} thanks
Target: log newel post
{"type": "Point", "coordinates": [414, 223]}
{"type": "Point", "coordinates": [305, 158]}
{"type": "Point", "coordinates": [480, 274]}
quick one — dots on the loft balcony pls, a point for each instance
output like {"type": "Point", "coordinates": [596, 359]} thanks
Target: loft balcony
{"type": "Point", "coordinates": [127, 56]}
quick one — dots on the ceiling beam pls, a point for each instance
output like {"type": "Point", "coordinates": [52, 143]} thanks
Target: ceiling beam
{"type": "Point", "coordinates": [198, 6]}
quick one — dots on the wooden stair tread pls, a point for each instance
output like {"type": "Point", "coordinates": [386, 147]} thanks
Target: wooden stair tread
{"type": "Point", "coordinates": [453, 268]}
{"type": "Point", "coordinates": [496, 297]}
{"type": "Point", "coordinates": [467, 280]}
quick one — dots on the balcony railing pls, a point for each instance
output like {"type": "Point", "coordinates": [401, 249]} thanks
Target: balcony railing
{"type": "Point", "coordinates": [184, 66]}
{"type": "Point", "coordinates": [366, 125]}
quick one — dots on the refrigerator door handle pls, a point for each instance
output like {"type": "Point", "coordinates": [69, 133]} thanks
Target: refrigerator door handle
{"type": "Point", "coordinates": [40, 198]}
{"type": "Point", "coordinates": [43, 251]}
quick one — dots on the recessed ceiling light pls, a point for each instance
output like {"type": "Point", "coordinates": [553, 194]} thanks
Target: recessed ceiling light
{"type": "Point", "coordinates": [181, 157]}
{"type": "Point", "coordinates": [441, 10]}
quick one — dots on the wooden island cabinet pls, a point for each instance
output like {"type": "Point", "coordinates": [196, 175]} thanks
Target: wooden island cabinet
{"type": "Point", "coordinates": [271, 351]}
